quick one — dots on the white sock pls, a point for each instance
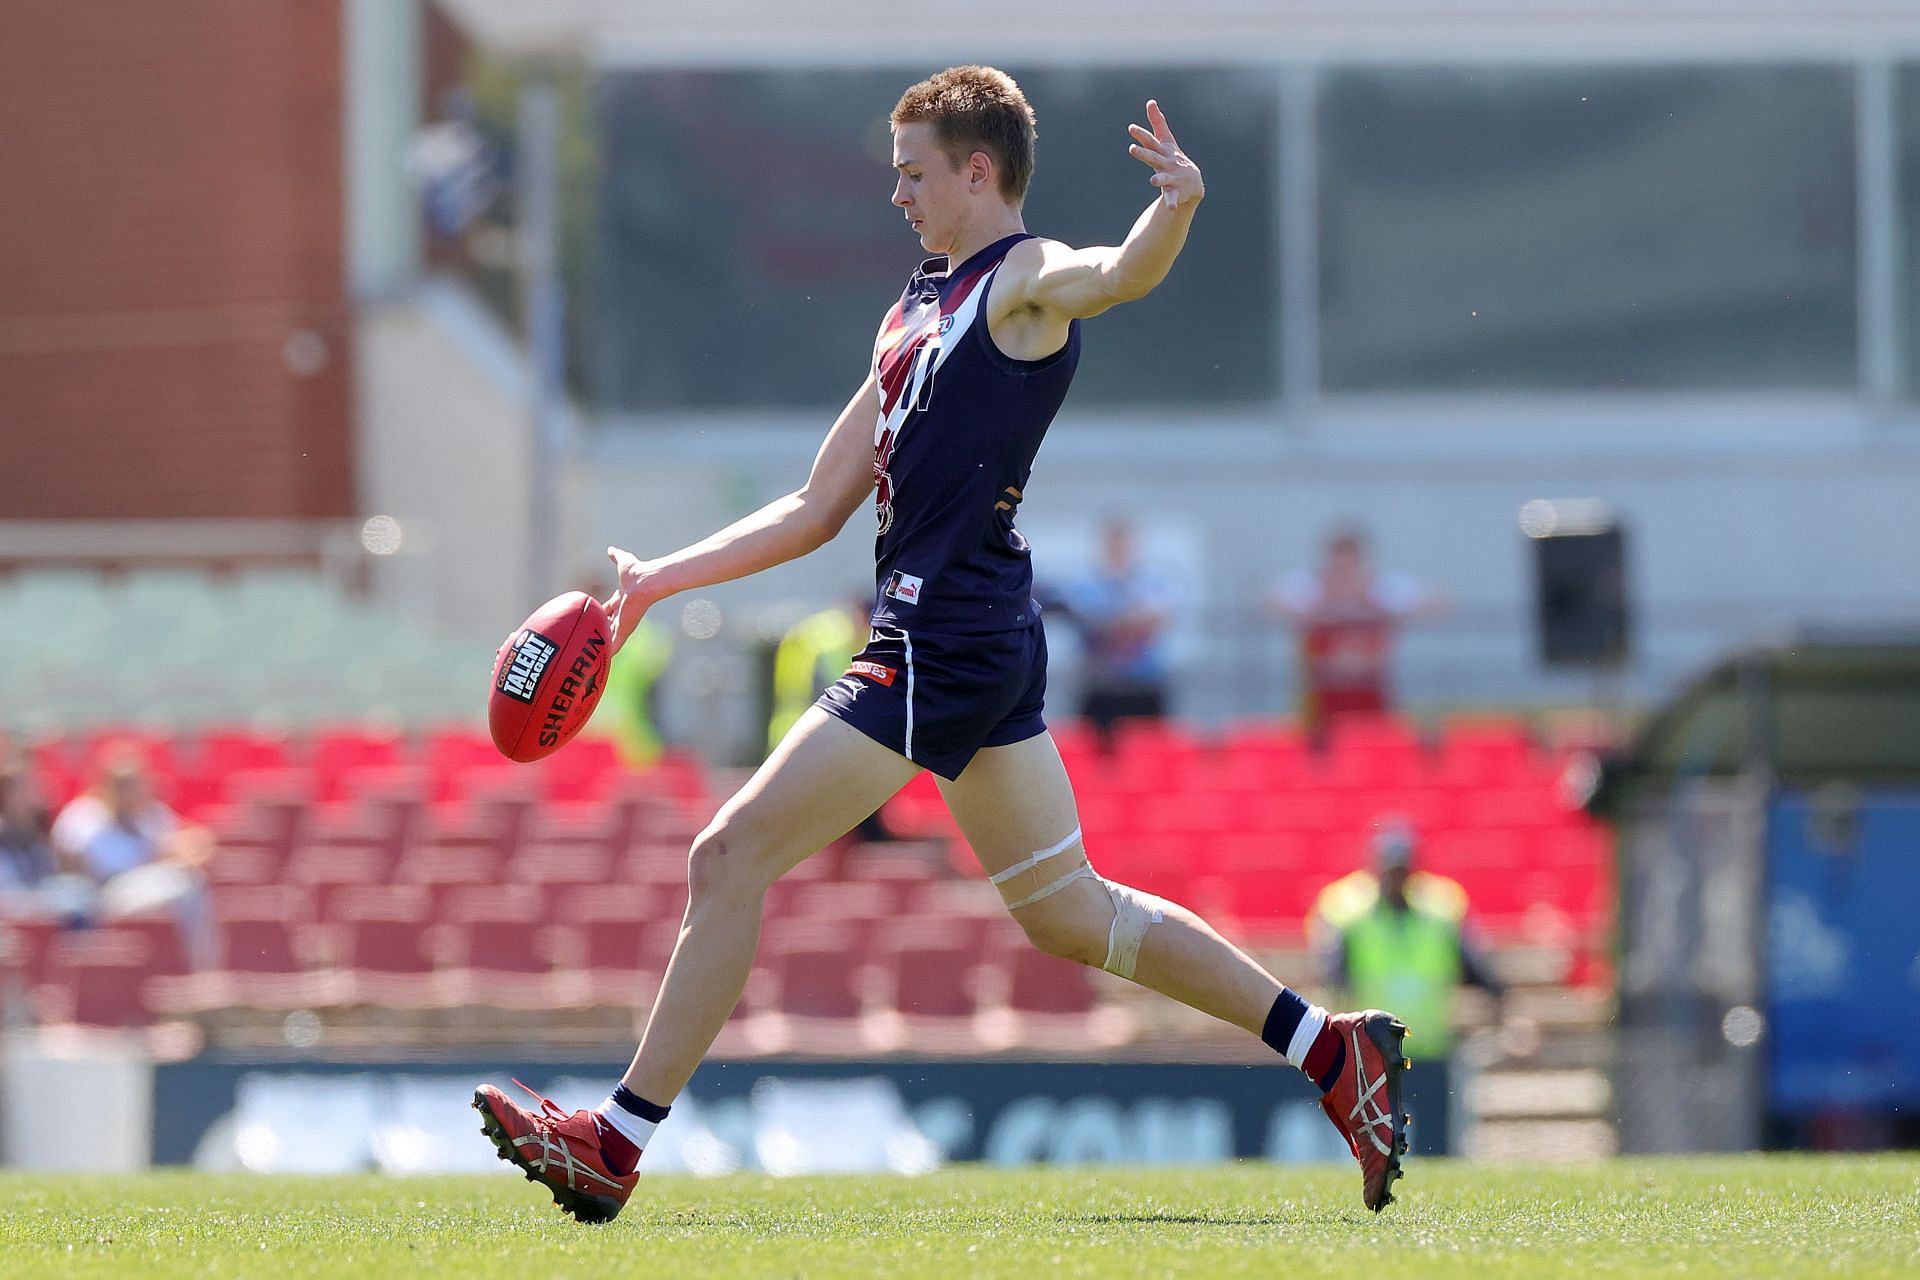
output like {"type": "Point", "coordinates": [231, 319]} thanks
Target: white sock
{"type": "Point", "coordinates": [1305, 1034]}
{"type": "Point", "coordinates": [625, 1123]}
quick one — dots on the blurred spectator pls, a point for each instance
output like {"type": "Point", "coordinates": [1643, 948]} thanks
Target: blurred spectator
{"type": "Point", "coordinates": [1348, 616]}
{"type": "Point", "coordinates": [813, 654]}
{"type": "Point", "coordinates": [629, 710]}
{"type": "Point", "coordinates": [136, 853]}
{"type": "Point", "coordinates": [26, 845]}
{"type": "Point", "coordinates": [1391, 937]}
{"type": "Point", "coordinates": [1121, 610]}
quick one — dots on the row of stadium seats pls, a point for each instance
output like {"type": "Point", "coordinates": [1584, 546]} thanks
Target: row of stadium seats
{"type": "Point", "coordinates": [1474, 770]}
{"type": "Point", "coordinates": [958, 980]}
{"type": "Point", "coordinates": [179, 645]}
{"type": "Point", "coordinates": [202, 775]}
{"type": "Point", "coordinates": [356, 867]}
{"type": "Point", "coordinates": [1266, 884]}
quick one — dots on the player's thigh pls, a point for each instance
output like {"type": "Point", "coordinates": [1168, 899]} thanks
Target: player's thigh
{"type": "Point", "coordinates": [1014, 801]}
{"type": "Point", "coordinates": [823, 779]}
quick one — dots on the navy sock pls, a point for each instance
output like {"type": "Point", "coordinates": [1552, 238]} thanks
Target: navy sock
{"type": "Point", "coordinates": [1283, 1020]}
{"type": "Point", "coordinates": [1324, 1057]}
{"type": "Point", "coordinates": [632, 1103]}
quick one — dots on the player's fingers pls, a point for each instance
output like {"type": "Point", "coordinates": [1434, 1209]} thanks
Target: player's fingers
{"type": "Point", "coordinates": [1145, 137]}
{"type": "Point", "coordinates": [1147, 155]}
{"type": "Point", "coordinates": [1158, 119]}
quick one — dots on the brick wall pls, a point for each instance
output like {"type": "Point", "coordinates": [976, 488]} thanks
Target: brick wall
{"type": "Point", "coordinates": [173, 323]}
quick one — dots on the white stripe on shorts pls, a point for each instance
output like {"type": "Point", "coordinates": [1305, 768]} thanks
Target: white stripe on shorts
{"type": "Point", "coordinates": [907, 747]}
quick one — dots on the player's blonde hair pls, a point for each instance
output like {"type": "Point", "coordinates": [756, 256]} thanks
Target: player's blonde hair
{"type": "Point", "coordinates": [976, 109]}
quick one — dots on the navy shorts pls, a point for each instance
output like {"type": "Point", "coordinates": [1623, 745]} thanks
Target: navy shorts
{"type": "Point", "coordinates": [938, 699]}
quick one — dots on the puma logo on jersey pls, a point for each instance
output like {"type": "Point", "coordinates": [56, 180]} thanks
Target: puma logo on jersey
{"type": "Point", "coordinates": [904, 587]}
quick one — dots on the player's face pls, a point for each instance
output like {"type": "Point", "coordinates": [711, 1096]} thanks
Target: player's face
{"type": "Point", "coordinates": [930, 189]}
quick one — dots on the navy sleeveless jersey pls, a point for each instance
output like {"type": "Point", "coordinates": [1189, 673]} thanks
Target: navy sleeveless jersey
{"type": "Point", "coordinates": [959, 425]}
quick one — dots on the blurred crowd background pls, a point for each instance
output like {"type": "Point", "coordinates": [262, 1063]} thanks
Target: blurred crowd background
{"type": "Point", "coordinates": [1488, 565]}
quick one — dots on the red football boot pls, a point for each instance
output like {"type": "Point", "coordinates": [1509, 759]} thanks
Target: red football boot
{"type": "Point", "coordinates": [1364, 1103]}
{"type": "Point", "coordinates": [561, 1152]}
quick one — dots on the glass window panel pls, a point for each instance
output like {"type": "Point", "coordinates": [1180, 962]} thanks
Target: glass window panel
{"type": "Point", "coordinates": [1908, 126]}
{"type": "Point", "coordinates": [1587, 229]}
{"type": "Point", "coordinates": [749, 249]}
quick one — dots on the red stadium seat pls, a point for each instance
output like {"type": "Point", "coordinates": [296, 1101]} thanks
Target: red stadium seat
{"type": "Point", "coordinates": [444, 870]}
{"type": "Point", "coordinates": [511, 952]}
{"type": "Point", "coordinates": [581, 770]}
{"type": "Point", "coordinates": [1588, 846]}
{"type": "Point", "coordinates": [98, 982]}
{"type": "Point", "coordinates": [928, 979]}
{"type": "Point", "coordinates": [1041, 983]}
{"type": "Point", "coordinates": [1484, 752]}
{"type": "Point", "coordinates": [24, 945]}
{"type": "Point", "coordinates": [389, 946]}
{"type": "Point", "coordinates": [1373, 752]}
{"type": "Point", "coordinates": [1534, 806]}
{"type": "Point", "coordinates": [560, 864]}
{"type": "Point", "coordinates": [627, 946]}
{"type": "Point", "coordinates": [395, 961]}
{"type": "Point", "coordinates": [385, 828]}
{"type": "Point", "coordinates": [259, 926]}
{"type": "Point", "coordinates": [335, 755]}
{"type": "Point", "coordinates": [60, 771]}
{"type": "Point", "coordinates": [98, 977]}
{"type": "Point", "coordinates": [817, 969]}
{"type": "Point", "coordinates": [233, 750]}
{"type": "Point", "coordinates": [349, 902]}
{"type": "Point", "coordinates": [1272, 752]}
{"type": "Point", "coordinates": [325, 869]}
{"type": "Point", "coordinates": [918, 811]}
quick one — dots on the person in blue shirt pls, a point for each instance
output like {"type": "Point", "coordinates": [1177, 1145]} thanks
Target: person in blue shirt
{"type": "Point", "coordinates": [1121, 610]}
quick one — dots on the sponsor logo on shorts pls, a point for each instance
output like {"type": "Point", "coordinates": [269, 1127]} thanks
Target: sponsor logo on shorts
{"type": "Point", "coordinates": [873, 671]}
{"type": "Point", "coordinates": [904, 587]}
{"type": "Point", "coordinates": [531, 653]}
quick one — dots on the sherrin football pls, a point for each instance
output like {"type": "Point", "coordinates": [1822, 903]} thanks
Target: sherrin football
{"type": "Point", "coordinates": [548, 676]}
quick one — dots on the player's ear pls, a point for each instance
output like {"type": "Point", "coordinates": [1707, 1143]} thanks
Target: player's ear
{"type": "Point", "coordinates": [980, 172]}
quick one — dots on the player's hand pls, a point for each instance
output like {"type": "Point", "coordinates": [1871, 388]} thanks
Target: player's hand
{"type": "Point", "coordinates": [631, 598]}
{"type": "Point", "coordinates": [1177, 177]}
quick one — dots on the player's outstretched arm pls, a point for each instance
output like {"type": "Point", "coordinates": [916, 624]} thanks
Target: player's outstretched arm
{"type": "Point", "coordinates": [783, 530]}
{"type": "Point", "coordinates": [1078, 283]}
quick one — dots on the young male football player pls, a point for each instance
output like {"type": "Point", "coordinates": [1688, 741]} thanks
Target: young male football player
{"type": "Point", "coordinates": [968, 370]}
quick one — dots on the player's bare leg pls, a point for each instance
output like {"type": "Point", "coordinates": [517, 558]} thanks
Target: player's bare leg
{"type": "Point", "coordinates": [1015, 806]}
{"type": "Point", "coordinates": [823, 779]}
{"type": "Point", "coordinates": [821, 782]}
{"type": "Point", "coordinates": [1013, 801]}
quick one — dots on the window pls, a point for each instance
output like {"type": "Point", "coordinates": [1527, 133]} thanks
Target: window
{"type": "Point", "coordinates": [1907, 128]}
{"type": "Point", "coordinates": [1587, 229]}
{"type": "Point", "coordinates": [749, 249]}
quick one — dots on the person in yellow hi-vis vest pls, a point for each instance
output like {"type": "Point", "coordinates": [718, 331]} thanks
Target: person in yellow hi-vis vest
{"type": "Point", "coordinates": [814, 653]}
{"type": "Point", "coordinates": [811, 655]}
{"type": "Point", "coordinates": [1391, 937]}
{"type": "Point", "coordinates": [626, 711]}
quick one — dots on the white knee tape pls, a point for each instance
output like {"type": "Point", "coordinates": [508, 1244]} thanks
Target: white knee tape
{"type": "Point", "coordinates": [1133, 911]}
{"type": "Point", "coordinates": [1047, 891]}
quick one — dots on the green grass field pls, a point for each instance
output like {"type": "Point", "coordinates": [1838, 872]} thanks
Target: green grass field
{"type": "Point", "coordinates": [1722, 1217]}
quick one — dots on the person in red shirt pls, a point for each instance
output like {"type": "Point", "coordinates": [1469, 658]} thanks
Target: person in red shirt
{"type": "Point", "coordinates": [1348, 616]}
